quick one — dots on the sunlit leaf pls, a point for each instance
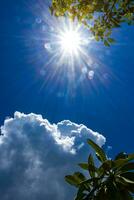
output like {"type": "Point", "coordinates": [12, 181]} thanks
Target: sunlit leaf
{"type": "Point", "coordinates": [103, 16]}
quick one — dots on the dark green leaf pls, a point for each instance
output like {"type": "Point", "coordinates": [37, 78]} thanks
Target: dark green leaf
{"type": "Point", "coordinates": [80, 193]}
{"type": "Point", "coordinates": [91, 167]}
{"type": "Point", "coordinates": [121, 155]}
{"type": "Point", "coordinates": [98, 150]}
{"type": "Point", "coordinates": [111, 40]}
{"type": "Point", "coordinates": [75, 179]}
{"type": "Point", "coordinates": [127, 167]}
{"type": "Point", "coordinates": [128, 175]}
{"type": "Point", "coordinates": [83, 166]}
{"type": "Point", "coordinates": [124, 180]}
{"type": "Point", "coordinates": [106, 43]}
{"type": "Point", "coordinates": [121, 162]}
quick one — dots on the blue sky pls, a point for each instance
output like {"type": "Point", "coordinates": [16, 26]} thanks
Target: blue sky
{"type": "Point", "coordinates": [108, 109]}
{"type": "Point", "coordinates": [105, 103]}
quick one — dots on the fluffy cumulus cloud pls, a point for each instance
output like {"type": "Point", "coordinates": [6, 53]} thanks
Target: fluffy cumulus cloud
{"type": "Point", "coordinates": [35, 155]}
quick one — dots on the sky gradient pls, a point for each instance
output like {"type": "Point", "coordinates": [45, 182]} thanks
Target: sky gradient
{"type": "Point", "coordinates": [105, 104]}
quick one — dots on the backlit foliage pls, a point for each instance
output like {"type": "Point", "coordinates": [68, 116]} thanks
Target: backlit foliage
{"type": "Point", "coordinates": [111, 180]}
{"type": "Point", "coordinates": [99, 16]}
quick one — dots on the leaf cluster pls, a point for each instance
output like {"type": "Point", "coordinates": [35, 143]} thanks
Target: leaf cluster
{"type": "Point", "coordinates": [99, 16]}
{"type": "Point", "coordinates": [111, 180]}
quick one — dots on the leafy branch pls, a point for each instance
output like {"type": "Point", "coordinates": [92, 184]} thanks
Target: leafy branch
{"type": "Point", "coordinates": [112, 179]}
{"type": "Point", "coordinates": [99, 17]}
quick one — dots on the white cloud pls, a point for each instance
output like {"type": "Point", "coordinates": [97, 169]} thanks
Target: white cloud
{"type": "Point", "coordinates": [35, 155]}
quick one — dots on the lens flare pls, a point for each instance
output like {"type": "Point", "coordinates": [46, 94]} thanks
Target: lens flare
{"type": "Point", "coordinates": [68, 45]}
{"type": "Point", "coordinates": [64, 53]}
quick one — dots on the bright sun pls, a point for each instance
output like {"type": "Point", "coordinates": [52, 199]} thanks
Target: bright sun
{"type": "Point", "coordinates": [68, 44]}
{"type": "Point", "coordinates": [70, 41]}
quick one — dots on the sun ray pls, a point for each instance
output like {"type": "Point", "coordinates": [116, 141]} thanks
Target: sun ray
{"type": "Point", "coordinates": [65, 52]}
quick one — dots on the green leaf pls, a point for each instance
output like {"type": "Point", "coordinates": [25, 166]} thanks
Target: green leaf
{"type": "Point", "coordinates": [91, 160]}
{"type": "Point", "coordinates": [71, 180]}
{"type": "Point", "coordinates": [121, 162]}
{"type": "Point", "coordinates": [87, 183]}
{"type": "Point", "coordinates": [91, 167]}
{"type": "Point", "coordinates": [83, 166]}
{"type": "Point", "coordinates": [107, 165]}
{"type": "Point", "coordinates": [105, 168]}
{"type": "Point", "coordinates": [124, 180]}
{"type": "Point", "coordinates": [98, 156]}
{"type": "Point", "coordinates": [111, 40]}
{"type": "Point", "coordinates": [106, 43]}
{"type": "Point", "coordinates": [127, 167]}
{"type": "Point", "coordinates": [103, 16]}
{"type": "Point", "coordinates": [128, 175]}
{"type": "Point", "coordinates": [98, 150]}
{"type": "Point", "coordinates": [75, 179]}
{"type": "Point", "coordinates": [121, 155]}
{"type": "Point", "coordinates": [80, 194]}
